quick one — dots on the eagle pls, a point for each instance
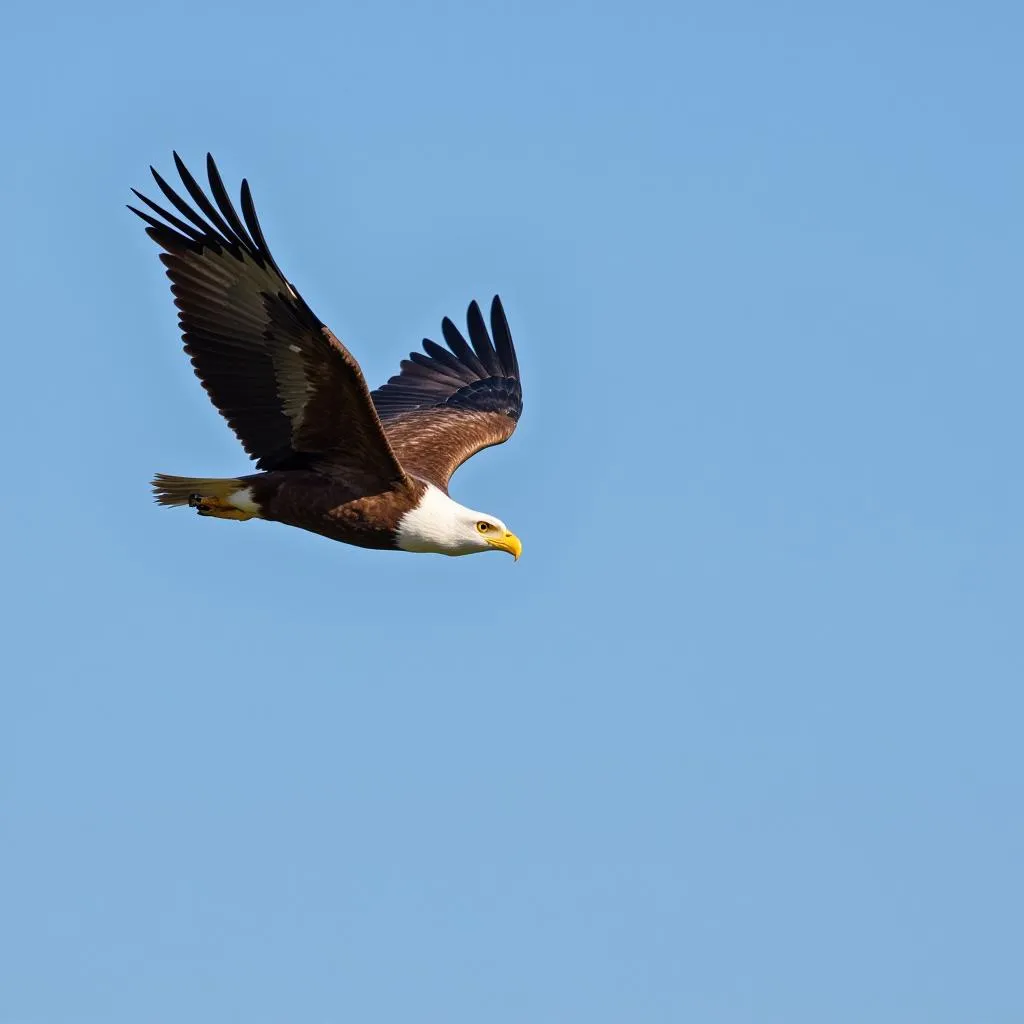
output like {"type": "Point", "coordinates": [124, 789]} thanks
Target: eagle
{"type": "Point", "coordinates": [369, 468]}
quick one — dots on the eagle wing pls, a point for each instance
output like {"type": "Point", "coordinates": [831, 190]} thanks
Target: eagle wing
{"type": "Point", "coordinates": [290, 390]}
{"type": "Point", "coordinates": [449, 403]}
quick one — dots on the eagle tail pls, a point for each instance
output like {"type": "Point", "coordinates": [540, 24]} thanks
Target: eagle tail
{"type": "Point", "coordinates": [183, 490]}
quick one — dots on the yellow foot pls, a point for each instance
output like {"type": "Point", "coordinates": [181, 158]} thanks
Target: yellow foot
{"type": "Point", "coordinates": [218, 508]}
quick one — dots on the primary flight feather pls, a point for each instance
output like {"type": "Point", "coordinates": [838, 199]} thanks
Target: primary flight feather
{"type": "Point", "coordinates": [365, 468]}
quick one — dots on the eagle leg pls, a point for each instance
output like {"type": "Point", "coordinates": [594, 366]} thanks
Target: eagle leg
{"type": "Point", "coordinates": [218, 508]}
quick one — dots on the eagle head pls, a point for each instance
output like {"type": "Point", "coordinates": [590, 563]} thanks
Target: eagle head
{"type": "Point", "coordinates": [443, 526]}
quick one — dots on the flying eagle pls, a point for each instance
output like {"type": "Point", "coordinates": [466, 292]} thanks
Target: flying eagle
{"type": "Point", "coordinates": [365, 468]}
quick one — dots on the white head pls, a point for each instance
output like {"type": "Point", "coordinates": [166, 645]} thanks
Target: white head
{"type": "Point", "coordinates": [444, 526]}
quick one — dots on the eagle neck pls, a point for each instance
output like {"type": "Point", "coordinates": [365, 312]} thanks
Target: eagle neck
{"type": "Point", "coordinates": [437, 524]}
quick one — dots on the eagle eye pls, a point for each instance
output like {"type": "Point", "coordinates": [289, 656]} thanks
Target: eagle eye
{"type": "Point", "coordinates": [483, 527]}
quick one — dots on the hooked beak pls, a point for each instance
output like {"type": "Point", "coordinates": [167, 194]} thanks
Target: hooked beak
{"type": "Point", "coordinates": [510, 543]}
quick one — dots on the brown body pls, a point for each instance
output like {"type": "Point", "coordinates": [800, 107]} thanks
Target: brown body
{"type": "Point", "coordinates": [334, 508]}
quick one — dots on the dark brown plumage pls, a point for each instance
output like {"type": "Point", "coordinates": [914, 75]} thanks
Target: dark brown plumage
{"type": "Point", "coordinates": [336, 458]}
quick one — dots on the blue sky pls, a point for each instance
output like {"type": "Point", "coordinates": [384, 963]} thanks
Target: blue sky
{"type": "Point", "coordinates": [738, 739]}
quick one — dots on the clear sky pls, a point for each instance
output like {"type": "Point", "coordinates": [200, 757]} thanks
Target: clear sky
{"type": "Point", "coordinates": [738, 740]}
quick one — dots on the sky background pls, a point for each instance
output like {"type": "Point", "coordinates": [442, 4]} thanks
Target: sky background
{"type": "Point", "coordinates": [739, 738]}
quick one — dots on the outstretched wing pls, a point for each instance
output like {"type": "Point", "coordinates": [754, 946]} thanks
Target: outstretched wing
{"type": "Point", "coordinates": [292, 393]}
{"type": "Point", "coordinates": [448, 403]}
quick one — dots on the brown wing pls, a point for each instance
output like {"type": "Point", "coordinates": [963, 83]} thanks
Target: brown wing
{"type": "Point", "coordinates": [292, 393]}
{"type": "Point", "coordinates": [447, 404]}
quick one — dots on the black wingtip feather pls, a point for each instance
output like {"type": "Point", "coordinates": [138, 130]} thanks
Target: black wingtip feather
{"type": "Point", "coordinates": [503, 338]}
{"type": "Point", "coordinates": [448, 359]}
{"type": "Point", "coordinates": [483, 377]}
{"type": "Point", "coordinates": [185, 229]}
{"type": "Point", "coordinates": [458, 344]}
{"type": "Point", "coordinates": [199, 197]}
{"type": "Point", "coordinates": [151, 221]}
{"type": "Point", "coordinates": [253, 223]}
{"type": "Point", "coordinates": [480, 341]}
{"type": "Point", "coordinates": [222, 226]}
{"type": "Point", "coordinates": [223, 200]}
{"type": "Point", "coordinates": [179, 204]}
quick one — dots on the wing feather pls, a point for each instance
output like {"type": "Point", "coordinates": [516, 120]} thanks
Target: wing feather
{"type": "Point", "coordinates": [480, 341]}
{"type": "Point", "coordinates": [447, 404]}
{"type": "Point", "coordinates": [185, 229]}
{"type": "Point", "coordinates": [457, 370]}
{"type": "Point", "coordinates": [290, 390]}
{"type": "Point", "coordinates": [458, 344]}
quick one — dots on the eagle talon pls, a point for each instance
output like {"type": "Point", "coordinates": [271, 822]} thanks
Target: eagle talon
{"type": "Point", "coordinates": [219, 508]}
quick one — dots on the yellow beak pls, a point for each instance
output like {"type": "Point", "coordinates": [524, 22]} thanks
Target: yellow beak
{"type": "Point", "coordinates": [510, 543]}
